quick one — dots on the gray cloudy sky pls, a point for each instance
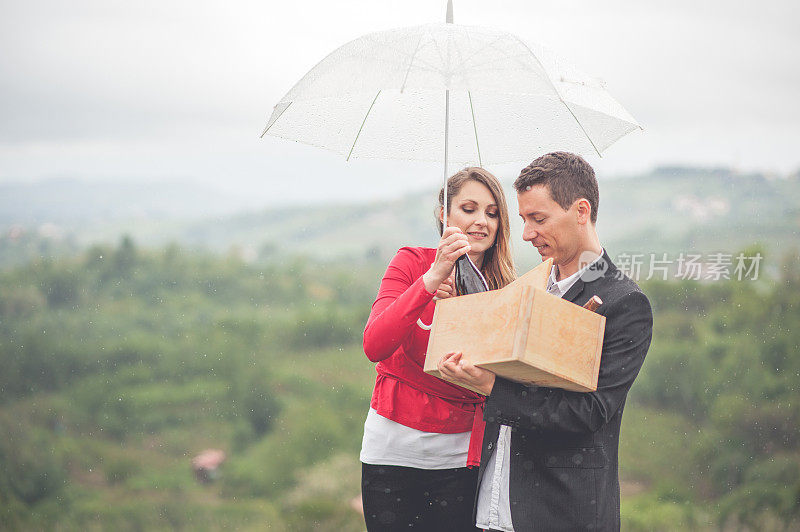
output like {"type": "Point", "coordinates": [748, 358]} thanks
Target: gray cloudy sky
{"type": "Point", "coordinates": [150, 90]}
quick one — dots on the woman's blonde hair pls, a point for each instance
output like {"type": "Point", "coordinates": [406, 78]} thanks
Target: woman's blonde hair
{"type": "Point", "coordinates": [498, 265]}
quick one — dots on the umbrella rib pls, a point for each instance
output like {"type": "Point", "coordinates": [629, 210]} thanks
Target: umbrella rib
{"type": "Point", "coordinates": [273, 122]}
{"type": "Point", "coordinates": [580, 125]}
{"type": "Point", "coordinates": [442, 60]}
{"type": "Point", "coordinates": [362, 125]}
{"type": "Point", "coordinates": [423, 65]}
{"type": "Point", "coordinates": [476, 52]}
{"type": "Point", "coordinates": [410, 64]}
{"type": "Point", "coordinates": [558, 94]}
{"type": "Point", "coordinates": [475, 128]}
{"type": "Point", "coordinates": [429, 66]}
{"type": "Point", "coordinates": [420, 64]}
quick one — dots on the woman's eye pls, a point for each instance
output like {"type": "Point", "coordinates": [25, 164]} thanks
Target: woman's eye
{"type": "Point", "coordinates": [491, 214]}
{"type": "Point", "coordinates": [467, 210]}
{"type": "Point", "coordinates": [539, 220]}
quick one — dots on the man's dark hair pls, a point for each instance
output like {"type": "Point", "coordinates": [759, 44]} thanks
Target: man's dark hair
{"type": "Point", "coordinates": [567, 176]}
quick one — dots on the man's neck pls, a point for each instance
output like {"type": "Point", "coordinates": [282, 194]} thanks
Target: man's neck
{"type": "Point", "coordinates": [584, 257]}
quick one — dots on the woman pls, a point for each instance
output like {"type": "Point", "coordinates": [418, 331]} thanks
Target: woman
{"type": "Point", "coordinates": [417, 447]}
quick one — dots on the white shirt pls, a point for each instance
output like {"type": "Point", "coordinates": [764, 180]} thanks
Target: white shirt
{"type": "Point", "coordinates": [387, 442]}
{"type": "Point", "coordinates": [494, 506]}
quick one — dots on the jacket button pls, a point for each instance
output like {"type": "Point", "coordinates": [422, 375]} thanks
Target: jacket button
{"type": "Point", "coordinates": [490, 446]}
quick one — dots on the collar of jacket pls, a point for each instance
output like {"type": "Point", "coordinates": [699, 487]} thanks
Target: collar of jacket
{"type": "Point", "coordinates": [577, 289]}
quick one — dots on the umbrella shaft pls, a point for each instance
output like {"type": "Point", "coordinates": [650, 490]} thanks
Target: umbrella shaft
{"type": "Point", "coordinates": [446, 135]}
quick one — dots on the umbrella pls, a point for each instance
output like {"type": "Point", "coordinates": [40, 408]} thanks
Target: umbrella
{"type": "Point", "coordinates": [451, 93]}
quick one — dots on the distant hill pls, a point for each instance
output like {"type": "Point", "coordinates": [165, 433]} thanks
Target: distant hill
{"type": "Point", "coordinates": [669, 210]}
{"type": "Point", "coordinates": [74, 203]}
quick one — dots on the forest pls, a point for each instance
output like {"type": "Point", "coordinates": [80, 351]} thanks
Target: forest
{"type": "Point", "coordinates": [120, 364]}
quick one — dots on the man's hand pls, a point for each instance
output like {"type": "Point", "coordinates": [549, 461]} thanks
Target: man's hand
{"type": "Point", "coordinates": [461, 370]}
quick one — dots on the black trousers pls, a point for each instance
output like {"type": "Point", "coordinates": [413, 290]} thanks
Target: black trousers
{"type": "Point", "coordinates": [402, 498]}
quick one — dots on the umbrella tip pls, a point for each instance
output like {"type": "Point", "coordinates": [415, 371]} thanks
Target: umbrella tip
{"type": "Point", "coordinates": [449, 16]}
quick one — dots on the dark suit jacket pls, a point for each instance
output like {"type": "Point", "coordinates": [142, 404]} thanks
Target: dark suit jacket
{"type": "Point", "coordinates": [563, 473]}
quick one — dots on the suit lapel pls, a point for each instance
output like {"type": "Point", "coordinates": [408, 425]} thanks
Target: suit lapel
{"type": "Point", "coordinates": [574, 291]}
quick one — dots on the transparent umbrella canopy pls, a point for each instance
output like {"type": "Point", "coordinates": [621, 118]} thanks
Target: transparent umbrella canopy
{"type": "Point", "coordinates": [445, 92]}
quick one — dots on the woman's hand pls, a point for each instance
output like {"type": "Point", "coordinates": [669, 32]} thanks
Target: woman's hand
{"type": "Point", "coordinates": [461, 370]}
{"type": "Point", "coordinates": [452, 245]}
{"type": "Point", "coordinates": [446, 289]}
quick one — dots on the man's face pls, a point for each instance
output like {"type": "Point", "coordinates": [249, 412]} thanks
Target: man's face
{"type": "Point", "coordinates": [551, 229]}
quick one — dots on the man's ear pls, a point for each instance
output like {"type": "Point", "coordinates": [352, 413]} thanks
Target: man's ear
{"type": "Point", "coordinates": [584, 209]}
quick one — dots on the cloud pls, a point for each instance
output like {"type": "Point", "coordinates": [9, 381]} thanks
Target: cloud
{"type": "Point", "coordinates": [109, 87]}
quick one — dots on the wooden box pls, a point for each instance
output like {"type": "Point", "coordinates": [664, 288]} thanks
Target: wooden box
{"type": "Point", "coordinates": [522, 333]}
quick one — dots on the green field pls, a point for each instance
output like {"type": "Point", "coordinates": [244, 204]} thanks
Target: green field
{"type": "Point", "coordinates": [121, 364]}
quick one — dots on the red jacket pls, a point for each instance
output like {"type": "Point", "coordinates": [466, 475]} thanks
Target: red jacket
{"type": "Point", "coordinates": [392, 338]}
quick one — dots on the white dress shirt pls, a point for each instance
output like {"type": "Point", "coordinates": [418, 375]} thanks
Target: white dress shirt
{"type": "Point", "coordinates": [494, 506]}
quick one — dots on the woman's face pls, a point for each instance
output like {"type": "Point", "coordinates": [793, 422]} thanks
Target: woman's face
{"type": "Point", "coordinates": [474, 211]}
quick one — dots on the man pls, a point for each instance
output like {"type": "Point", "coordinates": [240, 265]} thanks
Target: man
{"type": "Point", "coordinates": [549, 459]}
